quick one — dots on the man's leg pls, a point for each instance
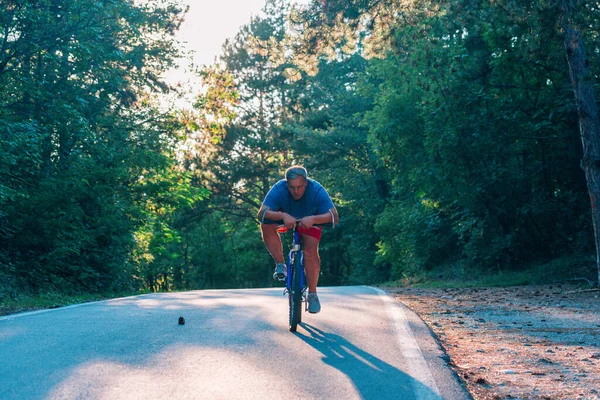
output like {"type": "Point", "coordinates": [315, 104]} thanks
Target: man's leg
{"type": "Point", "coordinates": [312, 265]}
{"type": "Point", "coordinates": [272, 241]}
{"type": "Point", "coordinates": [312, 262]}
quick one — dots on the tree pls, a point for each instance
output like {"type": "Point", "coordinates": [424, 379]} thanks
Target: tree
{"type": "Point", "coordinates": [333, 145]}
{"type": "Point", "coordinates": [456, 80]}
{"type": "Point", "coordinates": [77, 82]}
{"type": "Point", "coordinates": [589, 121]}
{"type": "Point", "coordinates": [254, 151]}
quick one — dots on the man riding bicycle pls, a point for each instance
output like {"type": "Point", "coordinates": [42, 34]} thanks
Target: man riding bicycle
{"type": "Point", "coordinates": [297, 198]}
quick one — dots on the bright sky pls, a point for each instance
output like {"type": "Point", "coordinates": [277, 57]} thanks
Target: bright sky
{"type": "Point", "coordinates": [208, 24]}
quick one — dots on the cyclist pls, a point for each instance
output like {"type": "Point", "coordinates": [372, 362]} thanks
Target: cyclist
{"type": "Point", "coordinates": [294, 198]}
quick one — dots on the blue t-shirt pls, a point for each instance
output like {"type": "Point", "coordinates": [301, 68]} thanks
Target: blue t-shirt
{"type": "Point", "coordinates": [315, 200]}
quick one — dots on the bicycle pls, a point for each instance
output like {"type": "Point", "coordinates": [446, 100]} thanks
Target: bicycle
{"type": "Point", "coordinates": [296, 284]}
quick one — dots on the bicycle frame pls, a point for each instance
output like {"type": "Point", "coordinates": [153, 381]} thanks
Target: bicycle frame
{"type": "Point", "coordinates": [295, 251]}
{"type": "Point", "coordinates": [296, 287]}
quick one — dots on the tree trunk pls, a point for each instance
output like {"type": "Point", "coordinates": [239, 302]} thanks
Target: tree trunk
{"type": "Point", "coordinates": [589, 124]}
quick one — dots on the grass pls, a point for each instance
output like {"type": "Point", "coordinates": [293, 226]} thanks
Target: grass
{"type": "Point", "coordinates": [52, 300]}
{"type": "Point", "coordinates": [574, 268]}
{"type": "Point", "coordinates": [580, 269]}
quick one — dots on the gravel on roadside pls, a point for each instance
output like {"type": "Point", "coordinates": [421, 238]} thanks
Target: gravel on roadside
{"type": "Point", "coordinates": [525, 342]}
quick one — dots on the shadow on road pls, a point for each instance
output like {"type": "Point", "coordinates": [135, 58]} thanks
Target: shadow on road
{"type": "Point", "coordinates": [125, 347]}
{"type": "Point", "coordinates": [97, 349]}
{"type": "Point", "coordinates": [372, 377]}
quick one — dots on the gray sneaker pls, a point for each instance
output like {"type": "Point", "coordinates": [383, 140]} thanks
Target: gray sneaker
{"type": "Point", "coordinates": [280, 272]}
{"type": "Point", "coordinates": [314, 306]}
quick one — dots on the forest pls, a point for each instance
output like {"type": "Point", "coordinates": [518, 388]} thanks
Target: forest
{"type": "Point", "coordinates": [446, 133]}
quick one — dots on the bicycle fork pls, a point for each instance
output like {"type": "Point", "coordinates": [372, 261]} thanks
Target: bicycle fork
{"type": "Point", "coordinates": [288, 284]}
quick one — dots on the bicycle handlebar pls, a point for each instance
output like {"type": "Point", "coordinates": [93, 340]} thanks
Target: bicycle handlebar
{"type": "Point", "coordinates": [282, 228]}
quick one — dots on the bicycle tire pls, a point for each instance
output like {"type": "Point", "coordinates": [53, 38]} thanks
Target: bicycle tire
{"type": "Point", "coordinates": [295, 295]}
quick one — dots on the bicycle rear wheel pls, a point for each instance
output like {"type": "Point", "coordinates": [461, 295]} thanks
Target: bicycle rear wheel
{"type": "Point", "coordinates": [295, 295]}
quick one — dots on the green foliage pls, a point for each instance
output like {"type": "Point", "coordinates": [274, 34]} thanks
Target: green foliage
{"type": "Point", "coordinates": [424, 239]}
{"type": "Point", "coordinates": [31, 302]}
{"type": "Point", "coordinates": [331, 142]}
{"type": "Point", "coordinates": [75, 130]}
{"type": "Point", "coordinates": [248, 97]}
{"type": "Point", "coordinates": [456, 144]}
{"type": "Point", "coordinates": [474, 127]}
{"type": "Point", "coordinates": [165, 197]}
{"type": "Point", "coordinates": [228, 255]}
{"type": "Point", "coordinates": [445, 132]}
{"type": "Point", "coordinates": [578, 269]}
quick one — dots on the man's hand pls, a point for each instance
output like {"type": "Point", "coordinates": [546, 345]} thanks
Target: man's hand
{"type": "Point", "coordinates": [289, 221]}
{"type": "Point", "coordinates": [307, 222]}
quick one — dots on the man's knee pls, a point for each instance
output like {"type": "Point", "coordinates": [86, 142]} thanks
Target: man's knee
{"type": "Point", "coordinates": [268, 229]}
{"type": "Point", "coordinates": [311, 249]}
{"type": "Point", "coordinates": [311, 255]}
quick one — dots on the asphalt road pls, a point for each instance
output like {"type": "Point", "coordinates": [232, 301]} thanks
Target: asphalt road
{"type": "Point", "coordinates": [234, 345]}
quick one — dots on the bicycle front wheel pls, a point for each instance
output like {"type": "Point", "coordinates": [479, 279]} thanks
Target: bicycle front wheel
{"type": "Point", "coordinates": [295, 295]}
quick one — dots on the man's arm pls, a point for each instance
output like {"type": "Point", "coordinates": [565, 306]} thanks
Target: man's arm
{"type": "Point", "coordinates": [330, 217]}
{"type": "Point", "coordinates": [266, 213]}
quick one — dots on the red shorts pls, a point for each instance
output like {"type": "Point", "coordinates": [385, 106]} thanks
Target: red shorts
{"type": "Point", "coordinates": [313, 231]}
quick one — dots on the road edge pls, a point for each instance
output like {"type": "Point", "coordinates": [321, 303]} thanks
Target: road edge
{"type": "Point", "coordinates": [414, 334]}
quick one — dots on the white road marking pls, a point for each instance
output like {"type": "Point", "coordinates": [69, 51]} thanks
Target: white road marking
{"type": "Point", "coordinates": [417, 365]}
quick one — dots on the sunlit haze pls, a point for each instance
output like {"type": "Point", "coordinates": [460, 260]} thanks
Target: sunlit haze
{"type": "Point", "coordinates": [207, 25]}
